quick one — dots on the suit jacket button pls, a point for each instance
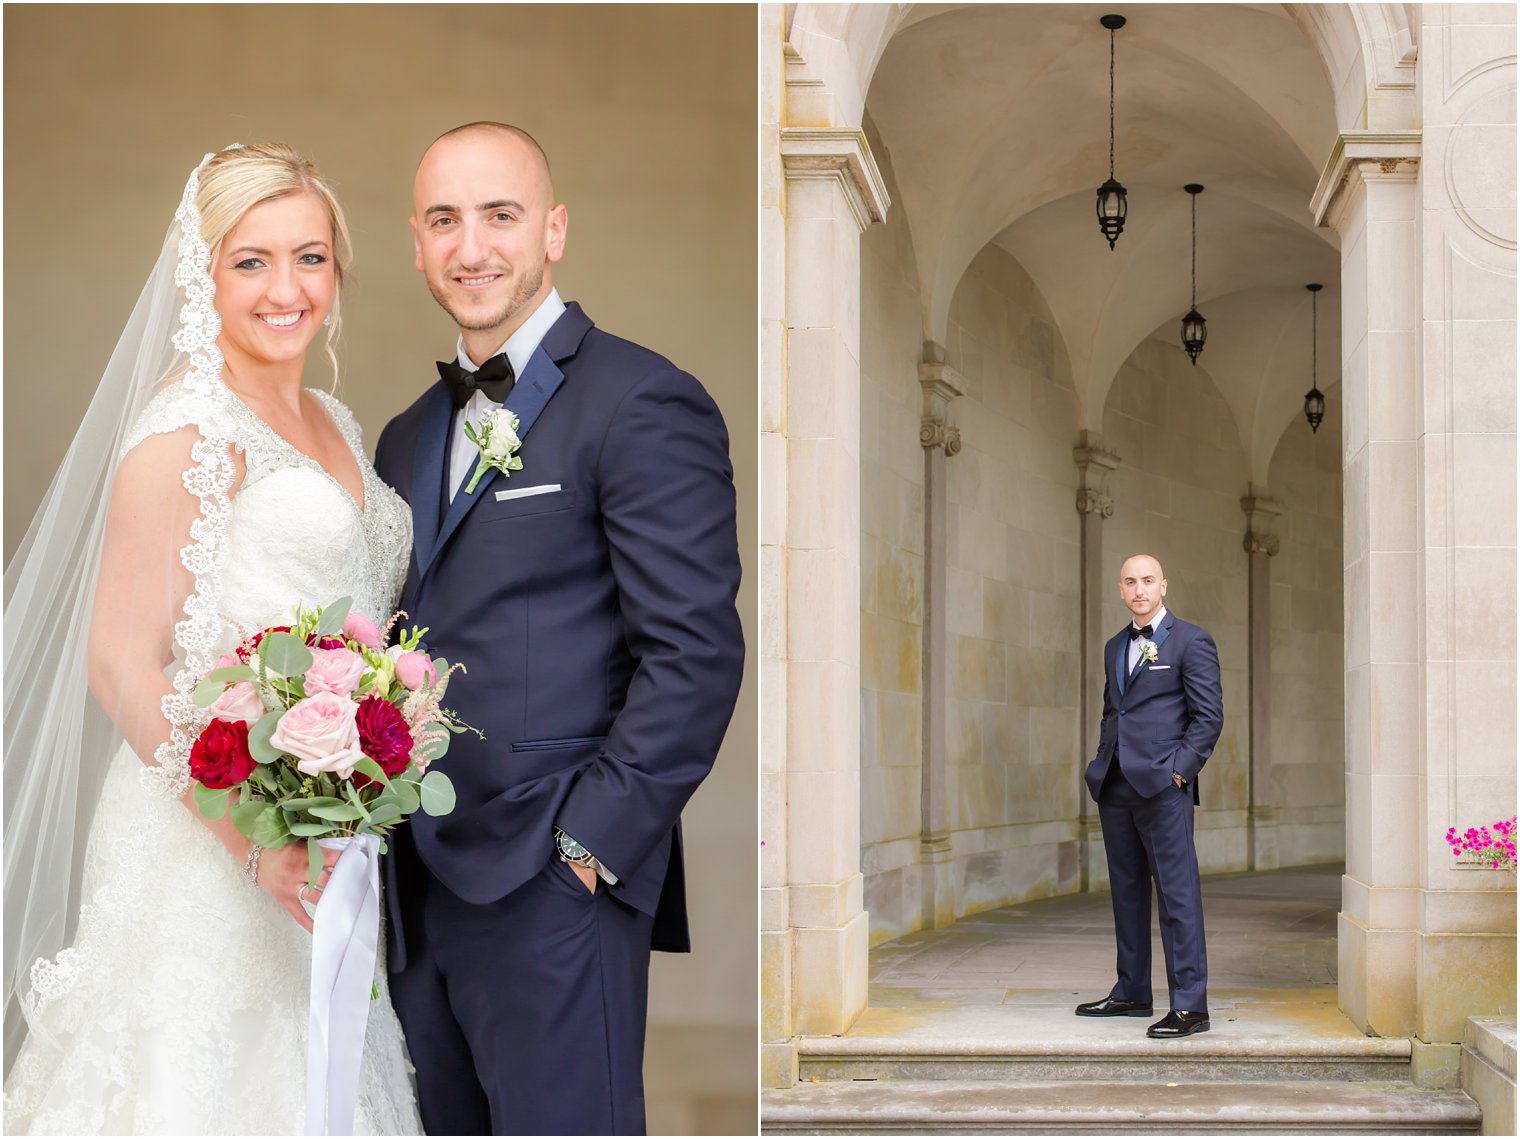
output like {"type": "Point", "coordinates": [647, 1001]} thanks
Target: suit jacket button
{"type": "Point", "coordinates": [1121, 711]}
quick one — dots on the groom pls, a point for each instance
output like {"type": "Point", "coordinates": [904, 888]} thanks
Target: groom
{"type": "Point", "coordinates": [1163, 709]}
{"type": "Point", "coordinates": [591, 595]}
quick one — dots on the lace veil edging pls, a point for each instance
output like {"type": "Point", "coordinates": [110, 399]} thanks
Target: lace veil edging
{"type": "Point", "coordinates": [58, 741]}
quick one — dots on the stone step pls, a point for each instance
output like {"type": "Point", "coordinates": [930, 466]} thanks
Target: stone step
{"type": "Point", "coordinates": [1206, 1058]}
{"type": "Point", "coordinates": [1099, 1107]}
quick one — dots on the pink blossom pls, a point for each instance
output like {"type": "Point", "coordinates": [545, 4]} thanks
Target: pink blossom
{"type": "Point", "coordinates": [240, 702]}
{"type": "Point", "coordinates": [334, 670]}
{"type": "Point", "coordinates": [227, 661]}
{"type": "Point", "coordinates": [321, 733]}
{"type": "Point", "coordinates": [415, 669]}
{"type": "Point", "coordinates": [362, 629]}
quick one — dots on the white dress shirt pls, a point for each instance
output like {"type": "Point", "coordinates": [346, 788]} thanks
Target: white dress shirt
{"type": "Point", "coordinates": [463, 455]}
{"type": "Point", "coordinates": [1135, 642]}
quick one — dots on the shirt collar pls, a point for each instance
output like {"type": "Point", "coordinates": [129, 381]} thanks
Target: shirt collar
{"type": "Point", "coordinates": [1155, 622]}
{"type": "Point", "coordinates": [521, 344]}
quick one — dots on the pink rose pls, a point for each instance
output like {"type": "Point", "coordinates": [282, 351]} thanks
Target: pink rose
{"type": "Point", "coordinates": [321, 733]}
{"type": "Point", "coordinates": [362, 629]}
{"type": "Point", "coordinates": [334, 670]}
{"type": "Point", "coordinates": [415, 669]}
{"type": "Point", "coordinates": [227, 661]}
{"type": "Point", "coordinates": [240, 702]}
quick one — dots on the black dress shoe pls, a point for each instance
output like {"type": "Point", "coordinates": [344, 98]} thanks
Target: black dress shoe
{"type": "Point", "coordinates": [1179, 1023]}
{"type": "Point", "coordinates": [1111, 1006]}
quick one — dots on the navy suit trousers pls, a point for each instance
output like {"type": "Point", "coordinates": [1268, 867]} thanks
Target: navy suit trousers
{"type": "Point", "coordinates": [1145, 840]}
{"type": "Point", "coordinates": [526, 1016]}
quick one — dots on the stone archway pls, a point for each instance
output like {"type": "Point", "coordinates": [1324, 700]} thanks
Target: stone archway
{"type": "Point", "coordinates": [822, 187]}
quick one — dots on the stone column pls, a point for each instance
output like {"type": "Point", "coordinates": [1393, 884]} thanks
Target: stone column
{"type": "Point", "coordinates": [1261, 545]}
{"type": "Point", "coordinates": [831, 190]}
{"type": "Point", "coordinates": [1370, 195]}
{"type": "Point", "coordinates": [940, 441]}
{"type": "Point", "coordinates": [1094, 504]}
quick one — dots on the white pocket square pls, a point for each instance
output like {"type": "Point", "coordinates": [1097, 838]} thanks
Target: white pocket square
{"type": "Point", "coordinates": [525, 491]}
{"type": "Point", "coordinates": [1159, 667]}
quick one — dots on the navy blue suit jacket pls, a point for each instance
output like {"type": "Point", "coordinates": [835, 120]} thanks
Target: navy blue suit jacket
{"type": "Point", "coordinates": [1165, 716]}
{"type": "Point", "coordinates": [597, 622]}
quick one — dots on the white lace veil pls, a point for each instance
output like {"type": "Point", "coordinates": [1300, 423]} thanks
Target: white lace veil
{"type": "Point", "coordinates": [58, 740]}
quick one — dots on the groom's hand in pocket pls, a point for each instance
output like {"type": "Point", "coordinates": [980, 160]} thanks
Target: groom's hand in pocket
{"type": "Point", "coordinates": [585, 874]}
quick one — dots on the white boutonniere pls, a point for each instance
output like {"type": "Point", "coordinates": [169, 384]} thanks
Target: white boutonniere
{"type": "Point", "coordinates": [498, 442]}
{"type": "Point", "coordinates": [1148, 651]}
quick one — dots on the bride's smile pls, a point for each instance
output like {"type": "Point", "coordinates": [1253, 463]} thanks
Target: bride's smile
{"type": "Point", "coordinates": [275, 283]}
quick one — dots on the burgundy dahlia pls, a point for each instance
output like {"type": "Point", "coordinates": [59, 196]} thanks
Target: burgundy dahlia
{"type": "Point", "coordinates": [383, 734]}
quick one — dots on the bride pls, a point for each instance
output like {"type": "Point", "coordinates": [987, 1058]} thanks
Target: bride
{"type": "Point", "coordinates": [180, 1002]}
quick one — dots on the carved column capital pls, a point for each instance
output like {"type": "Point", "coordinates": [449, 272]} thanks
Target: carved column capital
{"type": "Point", "coordinates": [1362, 156]}
{"type": "Point", "coordinates": [1091, 502]}
{"type": "Point", "coordinates": [937, 433]}
{"type": "Point", "coordinates": [1261, 515]}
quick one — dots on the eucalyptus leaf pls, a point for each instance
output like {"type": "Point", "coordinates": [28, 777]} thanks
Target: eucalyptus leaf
{"type": "Point", "coordinates": [334, 616]}
{"type": "Point", "coordinates": [210, 801]}
{"type": "Point", "coordinates": [353, 797]}
{"type": "Point", "coordinates": [343, 812]}
{"type": "Point", "coordinates": [382, 813]}
{"type": "Point", "coordinates": [437, 793]}
{"type": "Point", "coordinates": [434, 748]}
{"type": "Point", "coordinates": [258, 738]}
{"type": "Point", "coordinates": [407, 797]}
{"type": "Point", "coordinates": [285, 653]}
{"type": "Point", "coordinates": [313, 863]}
{"type": "Point", "coordinates": [263, 823]}
{"type": "Point", "coordinates": [310, 830]}
{"type": "Point", "coordinates": [372, 769]}
{"type": "Point", "coordinates": [207, 691]}
{"type": "Point", "coordinates": [308, 804]}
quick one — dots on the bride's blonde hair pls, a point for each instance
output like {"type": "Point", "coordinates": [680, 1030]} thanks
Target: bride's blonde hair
{"type": "Point", "coordinates": [237, 179]}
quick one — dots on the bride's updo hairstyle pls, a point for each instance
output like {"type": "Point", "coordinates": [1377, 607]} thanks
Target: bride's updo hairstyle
{"type": "Point", "coordinates": [237, 179]}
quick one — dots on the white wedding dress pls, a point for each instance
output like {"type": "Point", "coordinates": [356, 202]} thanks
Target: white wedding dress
{"type": "Point", "coordinates": [181, 1007]}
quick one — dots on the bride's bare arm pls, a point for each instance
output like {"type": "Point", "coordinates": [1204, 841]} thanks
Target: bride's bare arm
{"type": "Point", "coordinates": [138, 599]}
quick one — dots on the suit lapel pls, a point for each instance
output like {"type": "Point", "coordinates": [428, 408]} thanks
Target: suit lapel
{"type": "Point", "coordinates": [530, 395]}
{"type": "Point", "coordinates": [428, 466]}
{"type": "Point", "coordinates": [1115, 666]}
{"type": "Point", "coordinates": [1158, 639]}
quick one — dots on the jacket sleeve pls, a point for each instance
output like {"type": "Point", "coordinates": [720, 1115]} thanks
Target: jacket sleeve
{"type": "Point", "coordinates": [1107, 726]}
{"type": "Point", "coordinates": [1205, 705]}
{"type": "Point", "coordinates": [668, 512]}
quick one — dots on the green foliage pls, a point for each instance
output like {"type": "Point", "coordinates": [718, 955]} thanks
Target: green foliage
{"type": "Point", "coordinates": [285, 653]}
{"type": "Point", "coordinates": [437, 793]}
{"type": "Point", "coordinates": [258, 738]}
{"type": "Point", "coordinates": [210, 801]}
{"type": "Point", "coordinates": [262, 822]}
{"type": "Point", "coordinates": [331, 622]}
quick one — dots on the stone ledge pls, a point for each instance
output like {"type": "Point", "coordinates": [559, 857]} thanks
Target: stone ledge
{"type": "Point", "coordinates": [1488, 1071]}
{"type": "Point", "coordinates": [1109, 1107]}
{"type": "Point", "coordinates": [1493, 1038]}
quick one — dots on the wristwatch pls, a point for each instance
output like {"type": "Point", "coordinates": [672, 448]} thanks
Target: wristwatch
{"type": "Point", "coordinates": [572, 851]}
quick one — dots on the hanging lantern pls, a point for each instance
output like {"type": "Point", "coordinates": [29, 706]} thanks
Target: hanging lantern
{"type": "Point", "coordinates": [1194, 327]}
{"type": "Point", "coordinates": [1113, 199]}
{"type": "Point", "coordinates": [1314, 400]}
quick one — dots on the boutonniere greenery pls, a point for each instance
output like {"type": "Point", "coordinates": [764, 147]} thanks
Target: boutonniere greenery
{"type": "Point", "coordinates": [1148, 651]}
{"type": "Point", "coordinates": [498, 442]}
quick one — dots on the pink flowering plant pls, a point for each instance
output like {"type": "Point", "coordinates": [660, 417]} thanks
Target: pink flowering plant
{"type": "Point", "coordinates": [1493, 847]}
{"type": "Point", "coordinates": [319, 730]}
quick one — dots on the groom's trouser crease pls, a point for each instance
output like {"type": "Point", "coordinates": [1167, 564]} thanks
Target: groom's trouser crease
{"type": "Point", "coordinates": [565, 966]}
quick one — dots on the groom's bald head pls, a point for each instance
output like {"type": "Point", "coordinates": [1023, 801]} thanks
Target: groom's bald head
{"type": "Point", "coordinates": [513, 136]}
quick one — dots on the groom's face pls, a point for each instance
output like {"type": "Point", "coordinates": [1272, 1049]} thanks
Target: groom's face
{"type": "Point", "coordinates": [1142, 587]}
{"type": "Point", "coordinates": [486, 231]}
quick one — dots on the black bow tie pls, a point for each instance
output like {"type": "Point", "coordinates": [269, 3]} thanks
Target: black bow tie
{"type": "Point", "coordinates": [494, 378]}
{"type": "Point", "coordinates": [1134, 632]}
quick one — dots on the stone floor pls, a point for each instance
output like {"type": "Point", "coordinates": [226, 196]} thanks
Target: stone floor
{"type": "Point", "coordinates": [1270, 930]}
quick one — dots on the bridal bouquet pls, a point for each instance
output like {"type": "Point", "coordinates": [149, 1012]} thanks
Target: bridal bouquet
{"type": "Point", "coordinates": [322, 733]}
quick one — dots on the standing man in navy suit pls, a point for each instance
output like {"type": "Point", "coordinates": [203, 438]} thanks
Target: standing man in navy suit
{"type": "Point", "coordinates": [590, 591]}
{"type": "Point", "coordinates": [1162, 714]}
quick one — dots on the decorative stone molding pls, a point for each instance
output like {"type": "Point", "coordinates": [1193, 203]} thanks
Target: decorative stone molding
{"type": "Point", "coordinates": [1094, 465]}
{"type": "Point", "coordinates": [1261, 514]}
{"type": "Point", "coordinates": [841, 154]}
{"type": "Point", "coordinates": [1364, 155]}
{"type": "Point", "coordinates": [1091, 502]}
{"type": "Point", "coordinates": [937, 433]}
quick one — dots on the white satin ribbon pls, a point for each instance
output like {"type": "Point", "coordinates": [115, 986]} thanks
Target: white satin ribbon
{"type": "Point", "coordinates": [344, 940]}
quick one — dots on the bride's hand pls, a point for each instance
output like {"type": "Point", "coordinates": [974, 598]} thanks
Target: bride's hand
{"type": "Point", "coordinates": [284, 870]}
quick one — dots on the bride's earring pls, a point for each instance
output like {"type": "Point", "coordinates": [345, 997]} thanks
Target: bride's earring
{"type": "Point", "coordinates": [327, 320]}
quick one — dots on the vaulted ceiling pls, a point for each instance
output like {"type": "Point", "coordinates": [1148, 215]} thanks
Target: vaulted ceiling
{"type": "Point", "coordinates": [996, 120]}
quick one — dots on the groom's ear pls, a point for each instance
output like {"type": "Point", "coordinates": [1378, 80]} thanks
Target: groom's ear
{"type": "Point", "coordinates": [556, 223]}
{"type": "Point", "coordinates": [416, 242]}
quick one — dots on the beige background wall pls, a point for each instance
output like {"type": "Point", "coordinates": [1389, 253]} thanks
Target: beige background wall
{"type": "Point", "coordinates": [648, 115]}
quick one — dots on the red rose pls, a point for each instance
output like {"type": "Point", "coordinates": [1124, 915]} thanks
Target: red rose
{"type": "Point", "coordinates": [383, 736]}
{"type": "Point", "coordinates": [220, 757]}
